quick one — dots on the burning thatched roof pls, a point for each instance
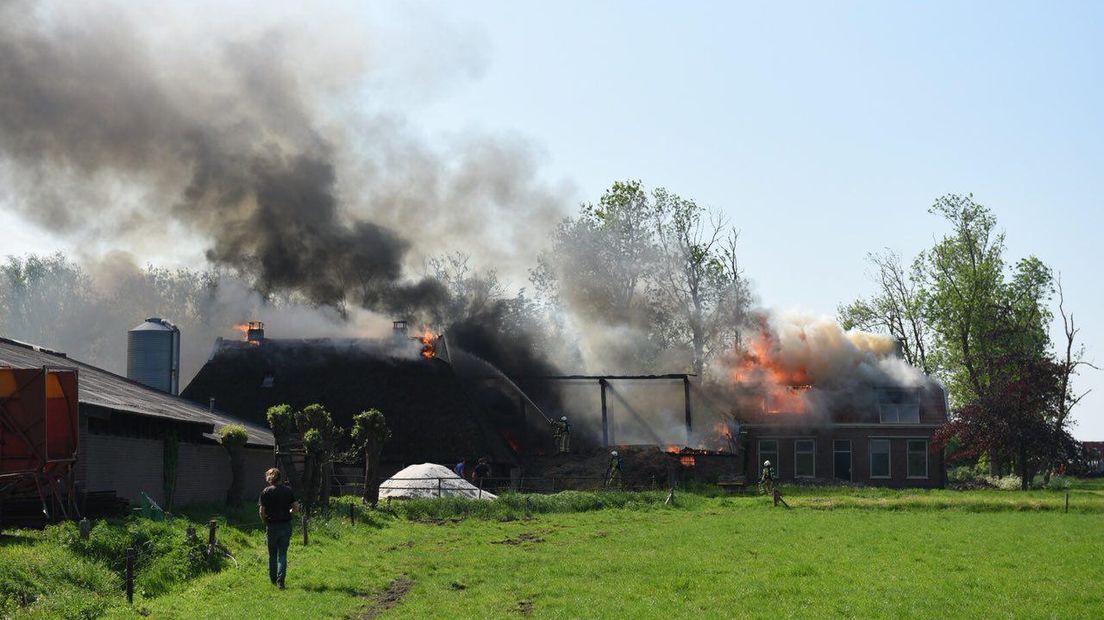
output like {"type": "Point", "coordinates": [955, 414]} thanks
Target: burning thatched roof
{"type": "Point", "coordinates": [429, 410]}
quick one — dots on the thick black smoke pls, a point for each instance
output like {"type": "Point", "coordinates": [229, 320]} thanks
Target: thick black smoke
{"type": "Point", "coordinates": [106, 132]}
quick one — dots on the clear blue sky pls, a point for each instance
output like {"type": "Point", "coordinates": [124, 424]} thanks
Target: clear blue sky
{"type": "Point", "coordinates": [823, 130]}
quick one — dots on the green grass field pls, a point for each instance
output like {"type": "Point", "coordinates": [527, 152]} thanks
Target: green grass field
{"type": "Point", "coordinates": [837, 553]}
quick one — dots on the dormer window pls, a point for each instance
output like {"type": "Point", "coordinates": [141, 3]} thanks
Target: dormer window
{"type": "Point", "coordinates": [898, 406]}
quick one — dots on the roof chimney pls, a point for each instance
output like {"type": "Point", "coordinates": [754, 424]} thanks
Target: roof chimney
{"type": "Point", "coordinates": [398, 329]}
{"type": "Point", "coordinates": [255, 333]}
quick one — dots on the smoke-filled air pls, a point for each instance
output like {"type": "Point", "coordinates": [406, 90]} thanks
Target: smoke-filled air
{"type": "Point", "coordinates": [319, 210]}
{"type": "Point", "coordinates": [248, 138]}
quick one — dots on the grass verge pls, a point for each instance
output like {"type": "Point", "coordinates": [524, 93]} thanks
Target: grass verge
{"type": "Point", "coordinates": [839, 552]}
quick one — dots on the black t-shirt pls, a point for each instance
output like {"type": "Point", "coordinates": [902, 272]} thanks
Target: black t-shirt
{"type": "Point", "coordinates": [482, 470]}
{"type": "Point", "coordinates": [277, 501]}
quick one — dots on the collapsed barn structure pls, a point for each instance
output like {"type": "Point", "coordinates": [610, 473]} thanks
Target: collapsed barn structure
{"type": "Point", "coordinates": [71, 433]}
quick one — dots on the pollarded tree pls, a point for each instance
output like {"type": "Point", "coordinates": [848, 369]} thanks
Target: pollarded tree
{"type": "Point", "coordinates": [311, 430]}
{"type": "Point", "coordinates": [233, 437]}
{"type": "Point", "coordinates": [369, 434]}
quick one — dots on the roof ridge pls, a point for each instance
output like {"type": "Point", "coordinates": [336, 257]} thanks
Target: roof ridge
{"type": "Point", "coordinates": [34, 347]}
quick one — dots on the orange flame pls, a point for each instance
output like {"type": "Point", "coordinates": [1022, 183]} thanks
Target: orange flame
{"type": "Point", "coordinates": [786, 399]}
{"type": "Point", "coordinates": [429, 345]}
{"type": "Point", "coordinates": [722, 429]}
{"type": "Point", "coordinates": [245, 328]}
{"type": "Point", "coordinates": [761, 363]}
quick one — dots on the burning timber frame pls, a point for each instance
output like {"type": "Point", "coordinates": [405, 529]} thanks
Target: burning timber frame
{"type": "Point", "coordinates": [603, 384]}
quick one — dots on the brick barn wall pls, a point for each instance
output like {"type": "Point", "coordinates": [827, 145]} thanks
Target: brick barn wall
{"type": "Point", "coordinates": [202, 474]}
{"type": "Point", "coordinates": [255, 462]}
{"type": "Point", "coordinates": [125, 465]}
{"type": "Point", "coordinates": [129, 465]}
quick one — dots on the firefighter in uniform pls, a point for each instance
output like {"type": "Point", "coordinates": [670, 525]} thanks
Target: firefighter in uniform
{"type": "Point", "coordinates": [766, 480]}
{"type": "Point", "coordinates": [561, 431]}
{"type": "Point", "coordinates": [613, 476]}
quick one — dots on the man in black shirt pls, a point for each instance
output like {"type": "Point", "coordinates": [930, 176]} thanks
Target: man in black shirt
{"type": "Point", "coordinates": [276, 504]}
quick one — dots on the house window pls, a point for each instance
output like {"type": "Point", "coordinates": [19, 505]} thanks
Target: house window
{"type": "Point", "coordinates": [768, 451]}
{"type": "Point", "coordinates": [841, 459]}
{"type": "Point", "coordinates": [879, 458]}
{"type": "Point", "coordinates": [804, 458]}
{"type": "Point", "coordinates": [268, 380]}
{"type": "Point", "coordinates": [899, 413]}
{"type": "Point", "coordinates": [917, 458]}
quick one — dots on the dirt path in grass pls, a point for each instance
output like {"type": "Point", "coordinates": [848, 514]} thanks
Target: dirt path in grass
{"type": "Point", "coordinates": [392, 596]}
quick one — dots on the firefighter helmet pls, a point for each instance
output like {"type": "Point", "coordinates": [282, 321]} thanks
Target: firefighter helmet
{"type": "Point", "coordinates": [614, 453]}
{"type": "Point", "coordinates": [564, 418]}
{"type": "Point", "coordinates": [766, 463]}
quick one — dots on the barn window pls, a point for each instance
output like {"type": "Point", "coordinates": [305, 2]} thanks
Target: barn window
{"type": "Point", "coordinates": [804, 458]}
{"type": "Point", "coordinates": [879, 458]}
{"type": "Point", "coordinates": [768, 451]}
{"type": "Point", "coordinates": [269, 378]}
{"type": "Point", "coordinates": [917, 458]}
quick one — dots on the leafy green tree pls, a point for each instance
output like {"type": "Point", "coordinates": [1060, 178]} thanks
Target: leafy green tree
{"type": "Point", "coordinates": [369, 434]}
{"type": "Point", "coordinates": [967, 290]}
{"type": "Point", "coordinates": [602, 259]}
{"type": "Point", "coordinates": [650, 264]}
{"type": "Point", "coordinates": [963, 313]}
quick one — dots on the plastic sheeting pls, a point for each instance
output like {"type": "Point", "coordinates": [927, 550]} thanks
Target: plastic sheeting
{"type": "Point", "coordinates": [430, 480]}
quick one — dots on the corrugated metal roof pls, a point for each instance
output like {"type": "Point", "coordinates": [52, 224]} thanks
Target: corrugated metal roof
{"type": "Point", "coordinates": [108, 390]}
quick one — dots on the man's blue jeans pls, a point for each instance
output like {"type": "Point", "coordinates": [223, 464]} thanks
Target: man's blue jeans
{"type": "Point", "coordinates": [279, 537]}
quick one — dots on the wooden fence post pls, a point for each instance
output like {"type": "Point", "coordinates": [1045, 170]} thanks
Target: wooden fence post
{"type": "Point", "coordinates": [352, 515]}
{"type": "Point", "coordinates": [1067, 501]}
{"type": "Point", "coordinates": [306, 528]}
{"type": "Point", "coordinates": [130, 575]}
{"type": "Point", "coordinates": [212, 536]}
{"type": "Point", "coordinates": [190, 534]}
{"type": "Point", "coordinates": [439, 487]}
{"type": "Point", "coordinates": [85, 529]}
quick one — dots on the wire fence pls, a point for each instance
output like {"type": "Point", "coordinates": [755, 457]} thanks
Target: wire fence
{"type": "Point", "coordinates": [444, 486]}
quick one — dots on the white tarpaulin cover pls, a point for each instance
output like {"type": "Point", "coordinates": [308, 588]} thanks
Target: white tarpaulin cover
{"type": "Point", "coordinates": [429, 480]}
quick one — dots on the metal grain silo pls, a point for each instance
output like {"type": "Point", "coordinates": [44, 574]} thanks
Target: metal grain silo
{"type": "Point", "coordinates": [153, 355]}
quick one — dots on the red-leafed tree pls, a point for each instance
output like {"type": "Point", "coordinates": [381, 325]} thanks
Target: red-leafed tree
{"type": "Point", "coordinates": [1022, 417]}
